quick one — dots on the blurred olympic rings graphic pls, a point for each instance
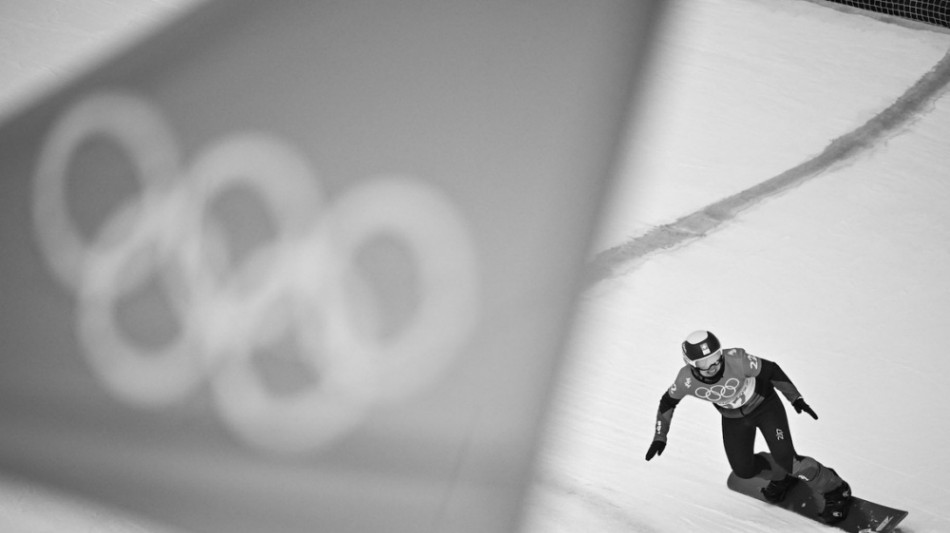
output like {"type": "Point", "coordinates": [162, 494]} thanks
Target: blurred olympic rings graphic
{"type": "Point", "coordinates": [303, 282]}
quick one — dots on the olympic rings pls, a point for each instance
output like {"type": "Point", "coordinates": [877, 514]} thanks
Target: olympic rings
{"type": "Point", "coordinates": [718, 393]}
{"type": "Point", "coordinates": [728, 395]}
{"type": "Point", "coordinates": [304, 282]}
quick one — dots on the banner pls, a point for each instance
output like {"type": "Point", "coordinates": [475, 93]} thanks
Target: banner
{"type": "Point", "coordinates": [308, 266]}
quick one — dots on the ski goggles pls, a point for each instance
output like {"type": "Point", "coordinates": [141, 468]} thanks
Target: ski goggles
{"type": "Point", "coordinates": [705, 363]}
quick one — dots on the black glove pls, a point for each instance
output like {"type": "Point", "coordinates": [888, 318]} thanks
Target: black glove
{"type": "Point", "coordinates": [800, 406]}
{"type": "Point", "coordinates": [656, 449]}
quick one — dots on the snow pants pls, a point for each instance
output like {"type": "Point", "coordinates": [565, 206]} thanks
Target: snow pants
{"type": "Point", "coordinates": [738, 437]}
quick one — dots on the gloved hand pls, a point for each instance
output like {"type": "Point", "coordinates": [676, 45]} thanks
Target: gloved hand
{"type": "Point", "coordinates": [800, 406]}
{"type": "Point", "coordinates": [656, 449]}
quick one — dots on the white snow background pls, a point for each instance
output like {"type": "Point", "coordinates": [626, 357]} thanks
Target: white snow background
{"type": "Point", "coordinates": [842, 279]}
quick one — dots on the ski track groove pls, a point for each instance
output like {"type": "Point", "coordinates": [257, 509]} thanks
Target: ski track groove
{"type": "Point", "coordinates": [917, 101]}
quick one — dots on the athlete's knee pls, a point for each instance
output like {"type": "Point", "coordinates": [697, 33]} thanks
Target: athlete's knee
{"type": "Point", "coordinates": [746, 472]}
{"type": "Point", "coordinates": [751, 469]}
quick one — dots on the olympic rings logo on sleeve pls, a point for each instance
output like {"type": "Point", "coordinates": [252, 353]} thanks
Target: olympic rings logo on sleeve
{"type": "Point", "coordinates": [293, 284]}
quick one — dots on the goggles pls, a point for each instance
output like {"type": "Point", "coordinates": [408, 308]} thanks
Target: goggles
{"type": "Point", "coordinates": [705, 363]}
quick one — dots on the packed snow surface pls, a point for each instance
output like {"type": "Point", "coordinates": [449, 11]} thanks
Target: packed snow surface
{"type": "Point", "coordinates": [842, 279]}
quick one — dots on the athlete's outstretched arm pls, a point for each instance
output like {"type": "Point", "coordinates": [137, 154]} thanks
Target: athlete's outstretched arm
{"type": "Point", "coordinates": [781, 381]}
{"type": "Point", "coordinates": [664, 416]}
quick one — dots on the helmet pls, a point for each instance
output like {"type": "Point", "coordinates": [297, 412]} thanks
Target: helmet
{"type": "Point", "coordinates": [699, 345]}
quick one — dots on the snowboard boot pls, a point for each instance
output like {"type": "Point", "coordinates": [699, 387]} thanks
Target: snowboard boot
{"type": "Point", "coordinates": [837, 504]}
{"type": "Point", "coordinates": [776, 490]}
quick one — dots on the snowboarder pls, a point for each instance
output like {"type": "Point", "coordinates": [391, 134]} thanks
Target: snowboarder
{"type": "Point", "coordinates": [742, 387]}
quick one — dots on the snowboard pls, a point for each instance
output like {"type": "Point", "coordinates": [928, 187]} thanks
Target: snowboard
{"type": "Point", "coordinates": [864, 516]}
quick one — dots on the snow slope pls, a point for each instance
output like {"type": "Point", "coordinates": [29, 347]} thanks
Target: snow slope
{"type": "Point", "coordinates": [841, 279]}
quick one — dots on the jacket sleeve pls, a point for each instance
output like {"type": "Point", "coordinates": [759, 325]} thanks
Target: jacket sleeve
{"type": "Point", "coordinates": [664, 415]}
{"type": "Point", "coordinates": [774, 373]}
